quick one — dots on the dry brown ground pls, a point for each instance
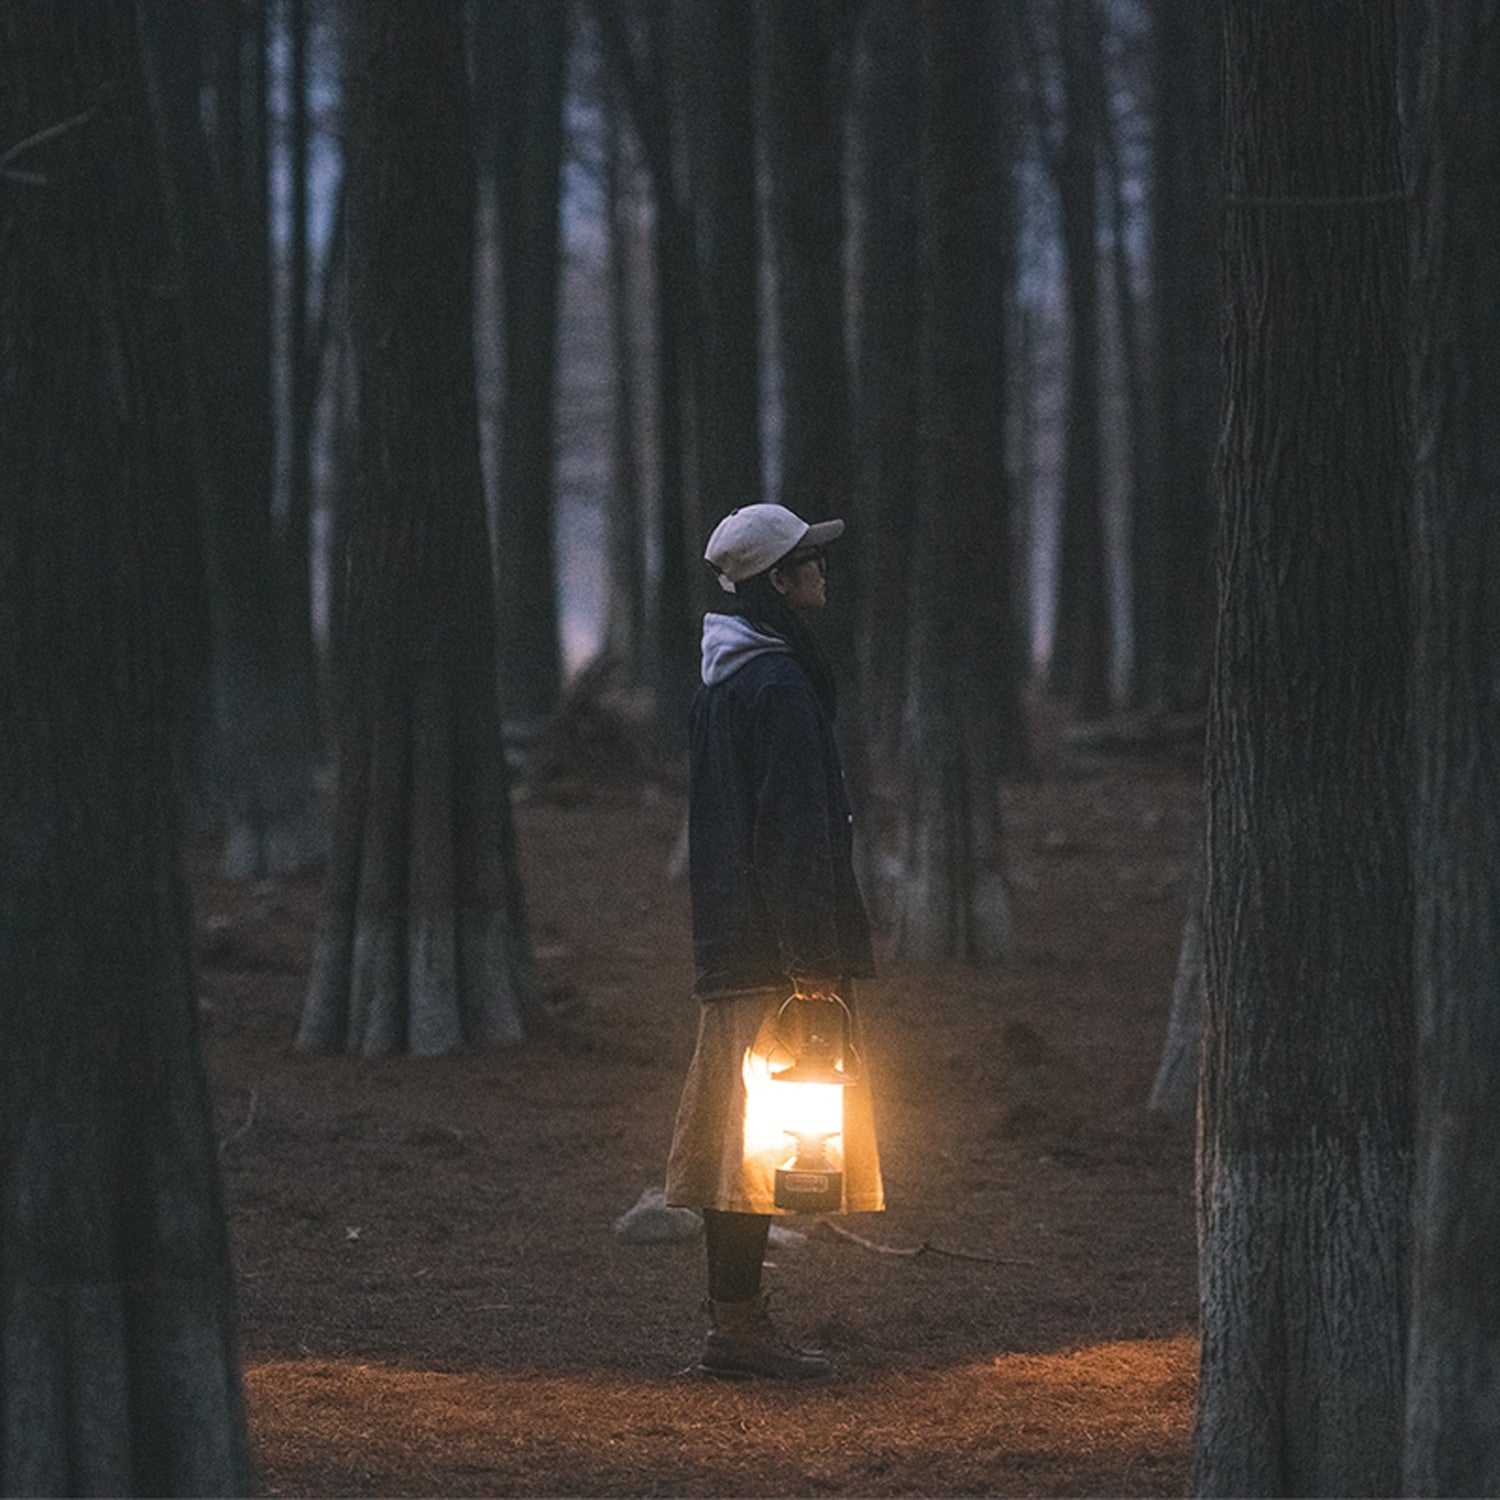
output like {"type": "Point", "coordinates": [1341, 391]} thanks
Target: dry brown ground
{"type": "Point", "coordinates": [430, 1297]}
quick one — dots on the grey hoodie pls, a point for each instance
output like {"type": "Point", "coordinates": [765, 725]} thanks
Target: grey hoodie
{"type": "Point", "coordinates": [729, 642]}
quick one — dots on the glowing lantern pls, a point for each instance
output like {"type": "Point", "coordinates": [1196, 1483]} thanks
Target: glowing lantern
{"type": "Point", "coordinates": [809, 1102]}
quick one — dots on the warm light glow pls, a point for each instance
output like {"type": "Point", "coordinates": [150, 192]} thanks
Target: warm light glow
{"type": "Point", "coordinates": [774, 1111]}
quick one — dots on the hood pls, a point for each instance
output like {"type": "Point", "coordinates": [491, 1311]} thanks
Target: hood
{"type": "Point", "coordinates": [729, 642]}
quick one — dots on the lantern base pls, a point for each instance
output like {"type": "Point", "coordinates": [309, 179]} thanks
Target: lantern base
{"type": "Point", "coordinates": [809, 1192]}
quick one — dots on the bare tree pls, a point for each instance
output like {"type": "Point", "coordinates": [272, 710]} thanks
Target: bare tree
{"type": "Point", "coordinates": [956, 901]}
{"type": "Point", "coordinates": [423, 943]}
{"type": "Point", "coordinates": [1174, 600]}
{"type": "Point", "coordinates": [119, 1372]}
{"type": "Point", "coordinates": [1453, 1425]}
{"type": "Point", "coordinates": [525, 48]}
{"type": "Point", "coordinates": [806, 67]}
{"type": "Point", "coordinates": [1305, 1136]}
{"type": "Point", "coordinates": [890, 303]}
{"type": "Point", "coordinates": [637, 41]}
{"type": "Point", "coordinates": [718, 85]}
{"type": "Point", "coordinates": [625, 636]}
{"type": "Point", "coordinates": [1081, 637]}
{"type": "Point", "coordinates": [265, 740]}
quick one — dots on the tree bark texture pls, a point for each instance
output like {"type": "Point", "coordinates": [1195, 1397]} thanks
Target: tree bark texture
{"type": "Point", "coordinates": [718, 39]}
{"type": "Point", "coordinates": [424, 944]}
{"type": "Point", "coordinates": [1305, 1136]}
{"type": "Point", "coordinates": [1082, 637]}
{"type": "Point", "coordinates": [1177, 517]}
{"type": "Point", "coordinates": [532, 41]}
{"type": "Point", "coordinates": [1453, 1391]}
{"type": "Point", "coordinates": [957, 902]}
{"type": "Point", "coordinates": [118, 1367]}
{"type": "Point", "coordinates": [888, 358]}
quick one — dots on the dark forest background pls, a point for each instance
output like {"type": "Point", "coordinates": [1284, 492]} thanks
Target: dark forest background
{"type": "Point", "coordinates": [373, 373]}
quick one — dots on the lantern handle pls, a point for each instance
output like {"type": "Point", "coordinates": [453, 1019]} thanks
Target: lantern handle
{"type": "Point", "coordinates": [835, 998]}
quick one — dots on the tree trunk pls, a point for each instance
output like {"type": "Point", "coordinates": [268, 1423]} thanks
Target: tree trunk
{"type": "Point", "coordinates": [957, 902]}
{"type": "Point", "coordinates": [264, 736]}
{"type": "Point", "coordinates": [1175, 1089]}
{"type": "Point", "coordinates": [118, 1368]}
{"type": "Point", "coordinates": [1305, 1137]}
{"type": "Point", "coordinates": [804, 150]}
{"type": "Point", "coordinates": [890, 303]}
{"type": "Point", "coordinates": [719, 90]}
{"type": "Point", "coordinates": [1174, 613]}
{"type": "Point", "coordinates": [1453, 1422]}
{"type": "Point", "coordinates": [423, 945]}
{"type": "Point", "coordinates": [303, 355]}
{"type": "Point", "coordinates": [529, 73]}
{"type": "Point", "coordinates": [625, 636]}
{"type": "Point", "coordinates": [1082, 636]}
{"type": "Point", "coordinates": [646, 77]}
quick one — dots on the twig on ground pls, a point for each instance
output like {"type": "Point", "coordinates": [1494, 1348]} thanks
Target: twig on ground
{"type": "Point", "coordinates": [245, 1125]}
{"type": "Point", "coordinates": [915, 1252]}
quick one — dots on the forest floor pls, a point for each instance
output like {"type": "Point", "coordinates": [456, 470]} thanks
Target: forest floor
{"type": "Point", "coordinates": [430, 1297]}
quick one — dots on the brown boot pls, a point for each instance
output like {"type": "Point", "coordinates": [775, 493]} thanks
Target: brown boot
{"type": "Point", "coordinates": [742, 1341]}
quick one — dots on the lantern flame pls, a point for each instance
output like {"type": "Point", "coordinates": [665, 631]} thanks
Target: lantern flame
{"type": "Point", "coordinates": [774, 1111]}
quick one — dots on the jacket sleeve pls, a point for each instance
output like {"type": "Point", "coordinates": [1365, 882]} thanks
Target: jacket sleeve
{"type": "Point", "coordinates": [791, 847]}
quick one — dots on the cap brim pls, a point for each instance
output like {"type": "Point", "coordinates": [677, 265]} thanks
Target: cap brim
{"type": "Point", "coordinates": [822, 532]}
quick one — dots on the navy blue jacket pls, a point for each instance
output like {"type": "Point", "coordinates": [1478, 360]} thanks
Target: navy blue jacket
{"type": "Point", "coordinates": [770, 840]}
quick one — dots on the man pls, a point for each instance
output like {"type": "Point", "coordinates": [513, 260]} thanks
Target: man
{"type": "Point", "coordinates": [776, 913]}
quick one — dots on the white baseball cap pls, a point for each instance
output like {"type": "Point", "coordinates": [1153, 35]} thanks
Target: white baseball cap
{"type": "Point", "coordinates": [756, 537]}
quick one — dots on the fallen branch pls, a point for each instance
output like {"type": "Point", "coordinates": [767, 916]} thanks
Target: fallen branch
{"type": "Point", "coordinates": [245, 1125]}
{"type": "Point", "coordinates": [915, 1252]}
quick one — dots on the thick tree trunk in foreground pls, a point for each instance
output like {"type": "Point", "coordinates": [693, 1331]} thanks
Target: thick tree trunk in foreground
{"type": "Point", "coordinates": [528, 75]}
{"type": "Point", "coordinates": [1305, 1138]}
{"type": "Point", "coordinates": [1453, 1394]}
{"type": "Point", "coordinates": [957, 902]}
{"type": "Point", "coordinates": [118, 1369]}
{"type": "Point", "coordinates": [424, 944]}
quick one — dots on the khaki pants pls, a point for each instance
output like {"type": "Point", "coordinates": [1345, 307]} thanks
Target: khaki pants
{"type": "Point", "coordinates": [726, 1146]}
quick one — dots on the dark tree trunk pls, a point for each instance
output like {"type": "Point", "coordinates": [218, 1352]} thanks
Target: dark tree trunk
{"type": "Point", "coordinates": [1453, 1419]}
{"type": "Point", "coordinates": [423, 945]}
{"type": "Point", "coordinates": [118, 1369]}
{"type": "Point", "coordinates": [532, 42]}
{"type": "Point", "coordinates": [1081, 636]}
{"type": "Point", "coordinates": [1174, 582]}
{"type": "Point", "coordinates": [264, 737]}
{"type": "Point", "coordinates": [719, 94]}
{"type": "Point", "coordinates": [626, 632]}
{"type": "Point", "coordinates": [645, 74]}
{"type": "Point", "coordinates": [805, 75]}
{"type": "Point", "coordinates": [299, 652]}
{"type": "Point", "coordinates": [890, 304]}
{"type": "Point", "coordinates": [1305, 1135]}
{"type": "Point", "coordinates": [957, 904]}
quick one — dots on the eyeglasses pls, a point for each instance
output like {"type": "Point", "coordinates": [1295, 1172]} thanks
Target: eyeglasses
{"type": "Point", "coordinates": [818, 555]}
